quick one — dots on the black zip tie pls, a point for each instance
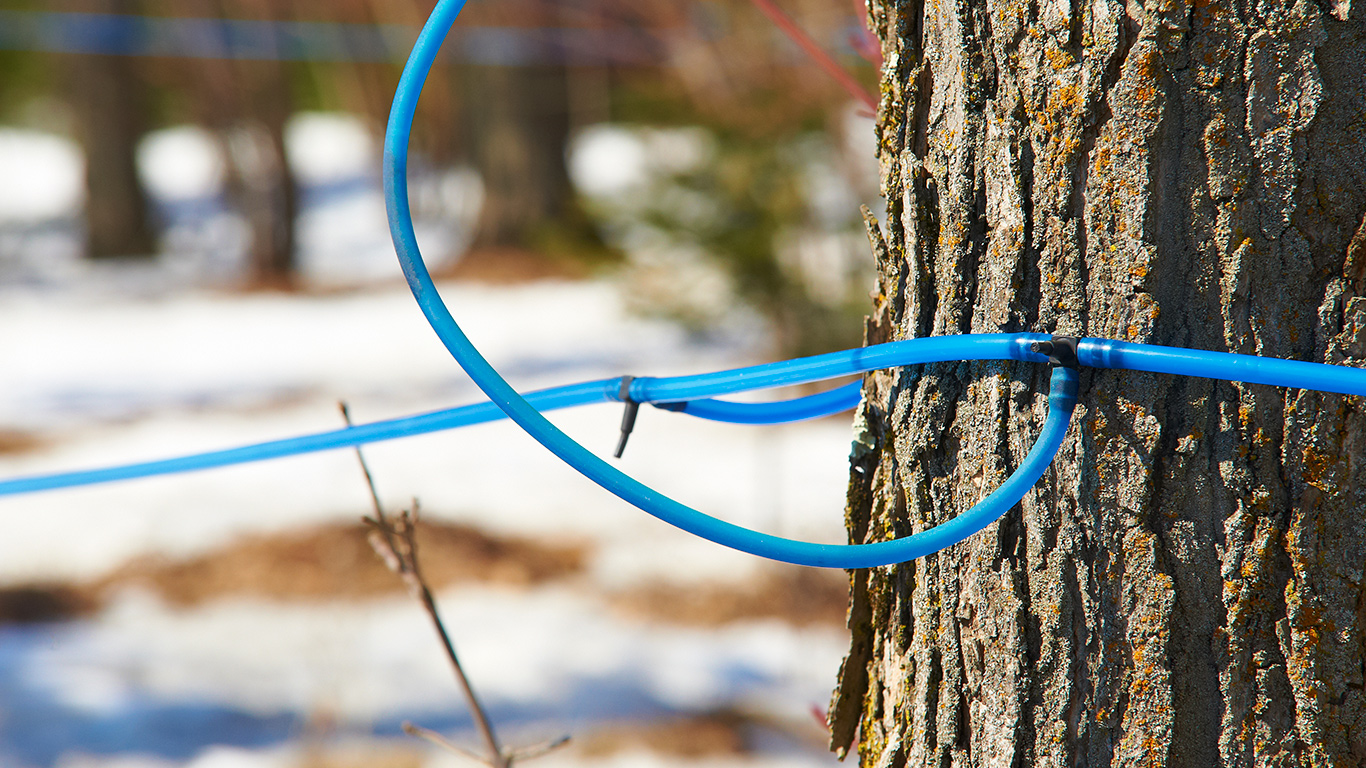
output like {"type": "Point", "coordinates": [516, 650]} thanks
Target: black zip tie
{"type": "Point", "coordinates": [628, 419]}
{"type": "Point", "coordinates": [1061, 351]}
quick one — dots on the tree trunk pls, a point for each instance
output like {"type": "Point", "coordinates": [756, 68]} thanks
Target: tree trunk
{"type": "Point", "coordinates": [109, 99]}
{"type": "Point", "coordinates": [267, 191]}
{"type": "Point", "coordinates": [1185, 585]}
{"type": "Point", "coordinates": [247, 103]}
{"type": "Point", "coordinates": [519, 129]}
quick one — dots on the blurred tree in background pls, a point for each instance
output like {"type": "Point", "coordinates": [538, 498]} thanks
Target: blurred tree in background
{"type": "Point", "coordinates": [249, 103]}
{"type": "Point", "coordinates": [109, 98]}
{"type": "Point", "coordinates": [518, 81]}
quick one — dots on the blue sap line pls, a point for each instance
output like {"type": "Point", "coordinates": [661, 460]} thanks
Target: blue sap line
{"type": "Point", "coordinates": [1249, 369]}
{"type": "Point", "coordinates": [554, 398]}
{"type": "Point", "coordinates": [201, 38]}
{"type": "Point", "coordinates": [994, 346]}
{"type": "Point", "coordinates": [1062, 397]}
{"type": "Point", "coordinates": [328, 41]}
{"type": "Point", "coordinates": [479, 413]}
{"type": "Point", "coordinates": [695, 394]}
{"type": "Point", "coordinates": [800, 409]}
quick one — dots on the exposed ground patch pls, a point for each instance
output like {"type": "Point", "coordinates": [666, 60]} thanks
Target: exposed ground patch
{"type": "Point", "coordinates": [336, 562]}
{"type": "Point", "coordinates": [35, 603]}
{"type": "Point", "coordinates": [512, 266]}
{"type": "Point", "coordinates": [713, 734]}
{"type": "Point", "coordinates": [796, 595]}
{"type": "Point", "coordinates": [13, 441]}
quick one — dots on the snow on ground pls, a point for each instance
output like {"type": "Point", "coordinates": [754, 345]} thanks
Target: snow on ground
{"type": "Point", "coordinates": [44, 176]}
{"type": "Point", "coordinates": [109, 364]}
{"type": "Point", "coordinates": [113, 381]}
{"type": "Point", "coordinates": [101, 377]}
{"type": "Point", "coordinates": [549, 653]}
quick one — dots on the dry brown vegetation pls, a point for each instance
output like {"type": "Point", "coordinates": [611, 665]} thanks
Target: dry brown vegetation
{"type": "Point", "coordinates": [15, 441]}
{"type": "Point", "coordinates": [799, 596]}
{"type": "Point", "coordinates": [34, 603]}
{"type": "Point", "coordinates": [698, 736]}
{"type": "Point", "coordinates": [712, 734]}
{"type": "Point", "coordinates": [336, 561]}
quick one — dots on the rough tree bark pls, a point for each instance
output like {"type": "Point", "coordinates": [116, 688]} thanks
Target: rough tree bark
{"type": "Point", "coordinates": [1185, 585]}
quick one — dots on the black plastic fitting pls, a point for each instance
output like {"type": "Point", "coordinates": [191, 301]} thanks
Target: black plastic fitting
{"type": "Point", "coordinates": [628, 418]}
{"type": "Point", "coordinates": [1061, 351]}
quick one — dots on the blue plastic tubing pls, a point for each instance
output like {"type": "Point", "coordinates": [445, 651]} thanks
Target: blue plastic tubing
{"type": "Point", "coordinates": [1062, 396]}
{"type": "Point", "coordinates": [568, 396]}
{"type": "Point", "coordinates": [695, 394]}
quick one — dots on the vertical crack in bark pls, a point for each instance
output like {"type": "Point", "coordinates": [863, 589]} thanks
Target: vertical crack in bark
{"type": "Point", "coordinates": [1026, 735]}
{"type": "Point", "coordinates": [1079, 692]}
{"type": "Point", "coordinates": [1030, 293]}
{"type": "Point", "coordinates": [933, 686]}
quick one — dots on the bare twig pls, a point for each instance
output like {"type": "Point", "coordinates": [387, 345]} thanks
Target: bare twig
{"type": "Point", "coordinates": [394, 539]}
{"type": "Point", "coordinates": [401, 531]}
{"type": "Point", "coordinates": [536, 750]}
{"type": "Point", "coordinates": [441, 741]}
{"type": "Point", "coordinates": [817, 54]}
{"type": "Point", "coordinates": [364, 467]}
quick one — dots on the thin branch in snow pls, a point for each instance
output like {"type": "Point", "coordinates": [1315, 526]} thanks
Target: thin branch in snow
{"type": "Point", "coordinates": [536, 750]}
{"type": "Point", "coordinates": [441, 741]}
{"type": "Point", "coordinates": [394, 539]}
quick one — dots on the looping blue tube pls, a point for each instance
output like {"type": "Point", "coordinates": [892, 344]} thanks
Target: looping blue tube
{"type": "Point", "coordinates": [998, 346]}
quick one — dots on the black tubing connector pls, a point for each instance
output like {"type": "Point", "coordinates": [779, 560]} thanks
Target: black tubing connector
{"type": "Point", "coordinates": [1061, 351]}
{"type": "Point", "coordinates": [628, 418]}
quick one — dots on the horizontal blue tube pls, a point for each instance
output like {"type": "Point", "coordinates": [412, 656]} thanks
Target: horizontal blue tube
{"type": "Point", "coordinates": [479, 413]}
{"type": "Point", "coordinates": [554, 398]}
{"type": "Point", "coordinates": [321, 41]}
{"type": "Point", "coordinates": [802, 370]}
{"type": "Point", "coordinates": [1107, 353]}
{"type": "Point", "coordinates": [781, 412]}
{"type": "Point", "coordinates": [1091, 352]}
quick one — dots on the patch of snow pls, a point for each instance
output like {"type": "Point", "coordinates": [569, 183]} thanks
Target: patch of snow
{"type": "Point", "coordinates": [537, 658]}
{"type": "Point", "coordinates": [327, 147]}
{"type": "Point", "coordinates": [612, 160]}
{"type": "Point", "coordinates": [234, 757]}
{"type": "Point", "coordinates": [181, 163]}
{"type": "Point", "coordinates": [44, 177]}
{"type": "Point", "coordinates": [113, 380]}
{"type": "Point", "coordinates": [607, 160]}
